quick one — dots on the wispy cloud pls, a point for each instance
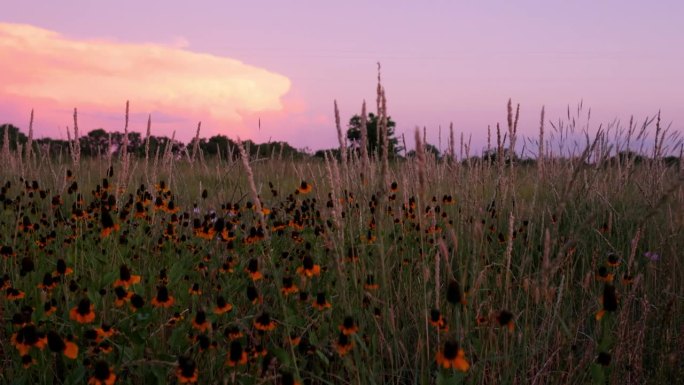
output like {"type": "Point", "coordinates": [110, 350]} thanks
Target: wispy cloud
{"type": "Point", "coordinates": [41, 68]}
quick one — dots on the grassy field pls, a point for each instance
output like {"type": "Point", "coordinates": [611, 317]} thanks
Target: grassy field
{"type": "Point", "coordinates": [415, 271]}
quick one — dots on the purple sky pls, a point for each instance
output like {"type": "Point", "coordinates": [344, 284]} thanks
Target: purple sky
{"type": "Point", "coordinates": [442, 62]}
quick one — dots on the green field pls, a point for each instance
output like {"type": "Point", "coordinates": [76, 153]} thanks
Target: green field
{"type": "Point", "coordinates": [415, 271]}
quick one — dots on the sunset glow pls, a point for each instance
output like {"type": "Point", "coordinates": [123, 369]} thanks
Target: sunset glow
{"type": "Point", "coordinates": [272, 70]}
{"type": "Point", "coordinates": [43, 68]}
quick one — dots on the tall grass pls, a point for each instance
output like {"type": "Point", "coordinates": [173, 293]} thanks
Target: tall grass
{"type": "Point", "coordinates": [529, 249]}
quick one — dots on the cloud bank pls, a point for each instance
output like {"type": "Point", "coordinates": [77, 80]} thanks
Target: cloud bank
{"type": "Point", "coordinates": [43, 69]}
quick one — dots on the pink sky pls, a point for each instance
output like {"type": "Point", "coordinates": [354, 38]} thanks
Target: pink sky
{"type": "Point", "coordinates": [229, 64]}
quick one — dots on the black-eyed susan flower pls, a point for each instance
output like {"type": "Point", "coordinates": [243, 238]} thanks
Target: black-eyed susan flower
{"type": "Point", "coordinates": [137, 302]}
{"type": "Point", "coordinates": [344, 344]}
{"type": "Point", "coordinates": [627, 279]}
{"type": "Point", "coordinates": [102, 374]}
{"type": "Point", "coordinates": [452, 356]}
{"type": "Point", "coordinates": [27, 361]}
{"type": "Point", "coordinates": [604, 275]}
{"type": "Point", "coordinates": [287, 378]}
{"type": "Point", "coordinates": [304, 188]}
{"type": "Point", "coordinates": [233, 333]}
{"type": "Point", "coordinates": [437, 320]}
{"type": "Point", "coordinates": [222, 306]}
{"type": "Point", "coordinates": [84, 313]}
{"type": "Point", "coordinates": [57, 345]}
{"type": "Point", "coordinates": [122, 296]}
{"type": "Point", "coordinates": [126, 279]}
{"type": "Point", "coordinates": [13, 294]}
{"type": "Point", "coordinates": [454, 293]}
{"type": "Point", "coordinates": [264, 322]}
{"type": "Point", "coordinates": [505, 319]}
{"type": "Point", "coordinates": [62, 269]}
{"type": "Point", "coordinates": [253, 270]}
{"type": "Point", "coordinates": [613, 260]}
{"type": "Point", "coordinates": [253, 295]}
{"type": "Point", "coordinates": [163, 298]}
{"type": "Point", "coordinates": [27, 337]}
{"type": "Point", "coordinates": [348, 326]}
{"type": "Point", "coordinates": [108, 225]}
{"type": "Point", "coordinates": [49, 307]}
{"type": "Point", "coordinates": [195, 289]}
{"type": "Point", "coordinates": [236, 355]}
{"type": "Point", "coordinates": [288, 286]}
{"type": "Point", "coordinates": [308, 268]}
{"type": "Point", "coordinates": [200, 321]}
{"type": "Point", "coordinates": [48, 283]}
{"type": "Point", "coordinates": [370, 284]}
{"type": "Point", "coordinates": [609, 301]}
{"type": "Point", "coordinates": [187, 371]}
{"type": "Point", "coordinates": [105, 331]}
{"type": "Point", "coordinates": [321, 303]}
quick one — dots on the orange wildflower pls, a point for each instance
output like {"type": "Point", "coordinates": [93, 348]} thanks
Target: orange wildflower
{"type": "Point", "coordinates": [83, 313]}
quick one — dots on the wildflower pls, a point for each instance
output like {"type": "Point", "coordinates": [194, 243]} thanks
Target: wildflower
{"type": "Point", "coordinates": [187, 371]}
{"type": "Point", "coordinates": [163, 299]}
{"type": "Point", "coordinates": [288, 379]}
{"type": "Point", "coordinates": [222, 306]}
{"type": "Point", "coordinates": [653, 256]}
{"type": "Point", "coordinates": [308, 268]}
{"type": "Point", "coordinates": [604, 275]}
{"type": "Point", "coordinates": [137, 302]}
{"type": "Point", "coordinates": [348, 326]}
{"type": "Point", "coordinates": [253, 295]}
{"type": "Point", "coordinates": [454, 294]}
{"type": "Point", "coordinates": [126, 279]}
{"type": "Point", "coordinates": [448, 200]}
{"type": "Point", "coordinates": [83, 313]}
{"type": "Point", "coordinates": [304, 188]}
{"type": "Point", "coordinates": [370, 283]}
{"type": "Point", "coordinates": [344, 344]}
{"type": "Point", "coordinates": [26, 337]}
{"type": "Point", "coordinates": [195, 289]}
{"type": "Point", "coordinates": [505, 318]}
{"type": "Point", "coordinates": [321, 303]}
{"type": "Point", "coordinates": [57, 345]}
{"type": "Point", "coordinates": [104, 331]}
{"type": "Point", "coordinates": [122, 296]}
{"type": "Point", "coordinates": [452, 357]}
{"type": "Point", "coordinates": [27, 361]}
{"type": "Point", "coordinates": [627, 279]}
{"type": "Point", "coordinates": [609, 300]}
{"type": "Point", "coordinates": [200, 321]}
{"type": "Point", "coordinates": [62, 269]}
{"type": "Point", "coordinates": [613, 260]}
{"type": "Point", "coordinates": [49, 307]}
{"type": "Point", "coordinates": [438, 321]}
{"type": "Point", "coordinates": [108, 224]}
{"type": "Point", "coordinates": [233, 333]}
{"type": "Point", "coordinates": [253, 270]}
{"type": "Point", "coordinates": [264, 322]}
{"type": "Point", "coordinates": [288, 286]}
{"type": "Point", "coordinates": [102, 375]}
{"type": "Point", "coordinates": [48, 283]}
{"type": "Point", "coordinates": [13, 294]}
{"type": "Point", "coordinates": [236, 356]}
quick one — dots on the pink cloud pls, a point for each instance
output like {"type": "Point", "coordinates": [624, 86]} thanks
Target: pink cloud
{"type": "Point", "coordinates": [53, 74]}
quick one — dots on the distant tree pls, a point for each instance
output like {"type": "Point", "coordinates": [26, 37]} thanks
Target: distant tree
{"type": "Point", "coordinates": [15, 136]}
{"type": "Point", "coordinates": [354, 134]}
{"type": "Point", "coordinates": [430, 149]}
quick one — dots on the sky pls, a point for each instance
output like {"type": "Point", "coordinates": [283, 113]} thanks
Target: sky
{"type": "Point", "coordinates": [271, 70]}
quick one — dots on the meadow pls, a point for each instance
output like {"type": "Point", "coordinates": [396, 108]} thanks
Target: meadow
{"type": "Point", "coordinates": [358, 270]}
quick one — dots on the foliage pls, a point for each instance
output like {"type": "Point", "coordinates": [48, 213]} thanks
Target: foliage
{"type": "Point", "coordinates": [373, 137]}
